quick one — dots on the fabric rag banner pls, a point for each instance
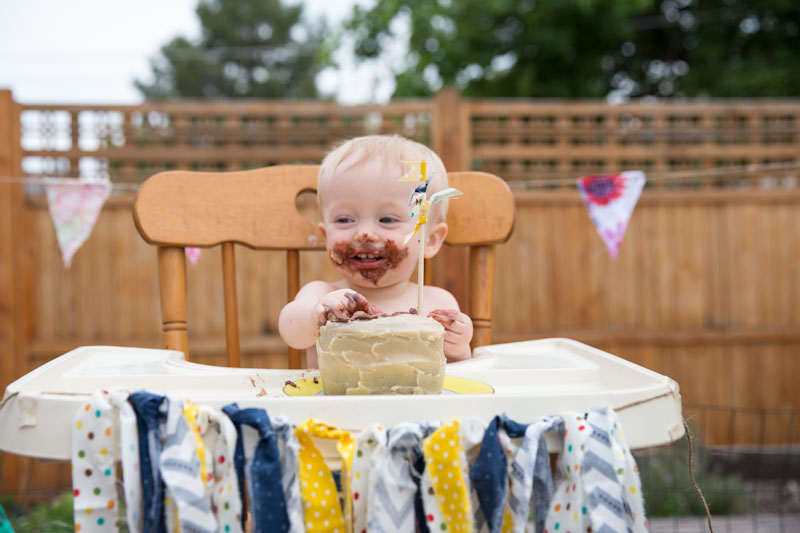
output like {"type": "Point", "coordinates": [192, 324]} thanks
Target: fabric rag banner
{"type": "Point", "coordinates": [74, 205]}
{"type": "Point", "coordinates": [610, 200]}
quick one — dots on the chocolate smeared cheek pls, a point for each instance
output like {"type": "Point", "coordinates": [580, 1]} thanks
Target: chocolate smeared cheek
{"type": "Point", "coordinates": [341, 253]}
{"type": "Point", "coordinates": [336, 256]}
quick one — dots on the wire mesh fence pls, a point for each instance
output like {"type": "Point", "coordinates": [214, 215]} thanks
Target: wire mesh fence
{"type": "Point", "coordinates": [750, 487]}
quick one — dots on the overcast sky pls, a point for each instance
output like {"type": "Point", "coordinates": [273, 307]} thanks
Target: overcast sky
{"type": "Point", "coordinates": [90, 51]}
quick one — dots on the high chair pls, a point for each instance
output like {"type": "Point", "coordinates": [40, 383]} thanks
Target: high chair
{"type": "Point", "coordinates": [257, 208]}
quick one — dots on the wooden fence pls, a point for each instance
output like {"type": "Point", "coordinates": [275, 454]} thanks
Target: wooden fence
{"type": "Point", "coordinates": [705, 289]}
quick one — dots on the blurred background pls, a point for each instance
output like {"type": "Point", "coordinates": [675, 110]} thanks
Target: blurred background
{"type": "Point", "coordinates": [702, 95]}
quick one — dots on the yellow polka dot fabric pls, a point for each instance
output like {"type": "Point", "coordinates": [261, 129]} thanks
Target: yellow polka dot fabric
{"type": "Point", "coordinates": [190, 412]}
{"type": "Point", "coordinates": [443, 451]}
{"type": "Point", "coordinates": [321, 509]}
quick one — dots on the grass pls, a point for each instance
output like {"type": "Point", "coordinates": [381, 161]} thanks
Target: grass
{"type": "Point", "coordinates": [48, 517]}
{"type": "Point", "coordinates": [668, 489]}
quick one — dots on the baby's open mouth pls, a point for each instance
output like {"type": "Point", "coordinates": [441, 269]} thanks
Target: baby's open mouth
{"type": "Point", "coordinates": [372, 264]}
{"type": "Point", "coordinates": [367, 259]}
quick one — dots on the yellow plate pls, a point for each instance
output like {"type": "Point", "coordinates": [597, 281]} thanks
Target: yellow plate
{"type": "Point", "coordinates": [452, 385]}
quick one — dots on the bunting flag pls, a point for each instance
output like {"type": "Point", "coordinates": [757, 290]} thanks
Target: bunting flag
{"type": "Point", "coordinates": [610, 200]}
{"type": "Point", "coordinates": [193, 254]}
{"type": "Point", "coordinates": [74, 205]}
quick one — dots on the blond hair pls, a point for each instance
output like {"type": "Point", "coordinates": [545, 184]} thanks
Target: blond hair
{"type": "Point", "coordinates": [391, 149]}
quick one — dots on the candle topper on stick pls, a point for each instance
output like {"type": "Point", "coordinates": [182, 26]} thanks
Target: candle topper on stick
{"type": "Point", "coordinates": [421, 207]}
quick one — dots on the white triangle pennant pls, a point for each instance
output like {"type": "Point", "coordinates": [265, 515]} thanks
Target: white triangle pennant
{"type": "Point", "coordinates": [610, 200]}
{"type": "Point", "coordinates": [74, 205]}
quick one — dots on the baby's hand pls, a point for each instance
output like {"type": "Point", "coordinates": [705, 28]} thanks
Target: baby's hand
{"type": "Point", "coordinates": [457, 333]}
{"type": "Point", "coordinates": [341, 305]}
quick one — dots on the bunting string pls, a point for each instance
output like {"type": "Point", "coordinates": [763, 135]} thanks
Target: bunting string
{"type": "Point", "coordinates": [42, 180]}
{"type": "Point", "coordinates": [657, 176]}
{"type": "Point", "coordinates": [668, 176]}
{"type": "Point", "coordinates": [610, 198]}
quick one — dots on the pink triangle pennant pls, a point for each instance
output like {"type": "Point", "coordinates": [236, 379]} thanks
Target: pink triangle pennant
{"type": "Point", "coordinates": [74, 205]}
{"type": "Point", "coordinates": [193, 254]}
{"type": "Point", "coordinates": [610, 200]}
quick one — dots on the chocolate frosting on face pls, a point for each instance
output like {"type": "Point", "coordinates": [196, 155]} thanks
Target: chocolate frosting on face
{"type": "Point", "coordinates": [342, 252]}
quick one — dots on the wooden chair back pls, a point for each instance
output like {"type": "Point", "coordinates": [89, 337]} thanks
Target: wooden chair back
{"type": "Point", "coordinates": [257, 208]}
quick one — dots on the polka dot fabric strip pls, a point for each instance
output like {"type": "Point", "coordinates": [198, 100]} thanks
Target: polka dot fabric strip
{"type": "Point", "coordinates": [321, 509]}
{"type": "Point", "coordinates": [128, 436]}
{"type": "Point", "coordinates": [443, 453]}
{"type": "Point", "coordinates": [568, 510]}
{"type": "Point", "coordinates": [93, 471]}
{"type": "Point", "coordinates": [372, 438]}
{"type": "Point", "coordinates": [225, 497]}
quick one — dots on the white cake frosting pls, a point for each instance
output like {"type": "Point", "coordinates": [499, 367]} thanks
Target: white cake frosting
{"type": "Point", "coordinates": [401, 354]}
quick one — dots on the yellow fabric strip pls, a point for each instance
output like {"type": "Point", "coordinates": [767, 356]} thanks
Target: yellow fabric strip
{"type": "Point", "coordinates": [321, 510]}
{"type": "Point", "coordinates": [443, 450]}
{"type": "Point", "coordinates": [190, 412]}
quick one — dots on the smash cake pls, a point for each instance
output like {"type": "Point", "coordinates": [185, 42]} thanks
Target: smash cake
{"type": "Point", "coordinates": [389, 354]}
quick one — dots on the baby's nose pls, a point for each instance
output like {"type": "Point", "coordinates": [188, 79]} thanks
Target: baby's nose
{"type": "Point", "coordinates": [366, 237]}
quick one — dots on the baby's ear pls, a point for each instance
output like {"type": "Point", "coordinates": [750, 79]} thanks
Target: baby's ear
{"type": "Point", "coordinates": [321, 227]}
{"type": "Point", "coordinates": [435, 238]}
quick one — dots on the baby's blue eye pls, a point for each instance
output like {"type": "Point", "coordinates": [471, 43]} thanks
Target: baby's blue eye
{"type": "Point", "coordinates": [387, 220]}
{"type": "Point", "coordinates": [343, 220]}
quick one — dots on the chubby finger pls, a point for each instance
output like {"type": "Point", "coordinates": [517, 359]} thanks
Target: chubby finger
{"type": "Point", "coordinates": [358, 303]}
{"type": "Point", "coordinates": [445, 317]}
{"type": "Point", "coordinates": [338, 312]}
{"type": "Point", "coordinates": [457, 327]}
{"type": "Point", "coordinates": [364, 305]}
{"type": "Point", "coordinates": [320, 314]}
{"type": "Point", "coordinates": [455, 336]}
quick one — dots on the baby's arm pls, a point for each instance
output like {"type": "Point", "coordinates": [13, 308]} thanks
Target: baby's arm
{"type": "Point", "coordinates": [313, 306]}
{"type": "Point", "coordinates": [457, 325]}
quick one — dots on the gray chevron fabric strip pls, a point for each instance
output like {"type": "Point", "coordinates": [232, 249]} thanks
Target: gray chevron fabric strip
{"type": "Point", "coordinates": [592, 460]}
{"type": "Point", "coordinates": [392, 489]}
{"type": "Point", "coordinates": [180, 468]}
{"type": "Point", "coordinates": [531, 476]}
{"type": "Point", "coordinates": [291, 484]}
{"type": "Point", "coordinates": [600, 434]}
{"type": "Point", "coordinates": [611, 478]}
{"type": "Point", "coordinates": [600, 497]}
{"type": "Point", "coordinates": [401, 514]}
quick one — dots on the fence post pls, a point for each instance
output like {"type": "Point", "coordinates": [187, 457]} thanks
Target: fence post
{"type": "Point", "coordinates": [13, 275]}
{"type": "Point", "coordinates": [450, 138]}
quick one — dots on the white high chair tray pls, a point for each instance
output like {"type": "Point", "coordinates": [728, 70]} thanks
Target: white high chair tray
{"type": "Point", "coordinates": [525, 380]}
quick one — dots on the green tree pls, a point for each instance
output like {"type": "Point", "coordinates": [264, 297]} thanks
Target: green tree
{"type": "Point", "coordinates": [743, 48]}
{"type": "Point", "coordinates": [587, 48]}
{"type": "Point", "coordinates": [248, 48]}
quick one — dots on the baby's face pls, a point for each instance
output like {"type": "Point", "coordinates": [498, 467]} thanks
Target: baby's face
{"type": "Point", "coordinates": [365, 218]}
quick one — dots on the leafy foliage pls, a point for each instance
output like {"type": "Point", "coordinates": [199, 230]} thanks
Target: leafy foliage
{"type": "Point", "coordinates": [668, 489]}
{"type": "Point", "coordinates": [248, 48]}
{"type": "Point", "coordinates": [723, 48]}
{"type": "Point", "coordinates": [587, 48]}
{"type": "Point", "coordinates": [50, 517]}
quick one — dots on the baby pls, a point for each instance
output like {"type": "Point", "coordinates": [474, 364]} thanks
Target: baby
{"type": "Point", "coordinates": [365, 218]}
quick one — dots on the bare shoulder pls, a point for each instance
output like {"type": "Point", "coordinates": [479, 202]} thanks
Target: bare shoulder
{"type": "Point", "coordinates": [439, 298]}
{"type": "Point", "coordinates": [315, 289]}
